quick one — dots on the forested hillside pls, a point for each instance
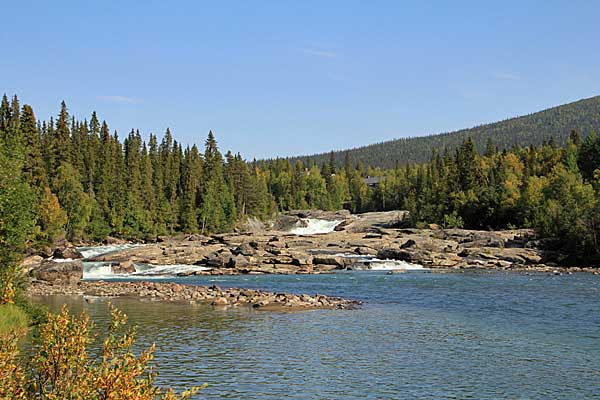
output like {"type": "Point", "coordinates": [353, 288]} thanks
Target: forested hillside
{"type": "Point", "coordinates": [533, 129]}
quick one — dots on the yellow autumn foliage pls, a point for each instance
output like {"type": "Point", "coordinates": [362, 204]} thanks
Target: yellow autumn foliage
{"type": "Point", "coordinates": [62, 367]}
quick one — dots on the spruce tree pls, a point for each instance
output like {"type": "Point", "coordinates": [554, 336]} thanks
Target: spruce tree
{"type": "Point", "coordinates": [218, 207]}
{"type": "Point", "coordinates": [33, 168]}
{"type": "Point", "coordinates": [61, 138]}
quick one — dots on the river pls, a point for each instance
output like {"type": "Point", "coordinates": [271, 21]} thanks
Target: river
{"type": "Point", "coordinates": [482, 335]}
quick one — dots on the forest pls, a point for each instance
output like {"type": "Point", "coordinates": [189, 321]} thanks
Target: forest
{"type": "Point", "coordinates": [76, 179]}
{"type": "Point", "coordinates": [555, 124]}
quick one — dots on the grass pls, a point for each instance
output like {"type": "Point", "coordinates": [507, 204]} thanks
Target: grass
{"type": "Point", "coordinates": [12, 317]}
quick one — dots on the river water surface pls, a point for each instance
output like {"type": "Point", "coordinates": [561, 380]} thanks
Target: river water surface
{"type": "Point", "coordinates": [418, 335]}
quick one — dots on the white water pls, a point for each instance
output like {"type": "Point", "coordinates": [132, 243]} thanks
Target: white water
{"type": "Point", "coordinates": [94, 251]}
{"type": "Point", "coordinates": [376, 264]}
{"type": "Point", "coordinates": [98, 270]}
{"type": "Point", "coordinates": [102, 270]}
{"type": "Point", "coordinates": [150, 270]}
{"type": "Point", "coordinates": [315, 226]}
{"type": "Point", "coordinates": [392, 265]}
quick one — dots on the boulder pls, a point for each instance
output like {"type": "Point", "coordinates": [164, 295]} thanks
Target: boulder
{"type": "Point", "coordinates": [126, 267]}
{"type": "Point", "coordinates": [341, 226]}
{"type": "Point", "coordinates": [408, 244]}
{"type": "Point", "coordinates": [336, 261]}
{"type": "Point", "coordinates": [52, 271]}
{"type": "Point", "coordinates": [215, 260]}
{"type": "Point", "coordinates": [287, 222]}
{"type": "Point", "coordinates": [112, 240]}
{"type": "Point", "coordinates": [67, 252]}
{"type": "Point", "coordinates": [302, 259]}
{"type": "Point", "coordinates": [386, 219]}
{"type": "Point", "coordinates": [245, 249]}
{"type": "Point", "coordinates": [365, 251]}
{"type": "Point", "coordinates": [239, 261]}
{"type": "Point", "coordinates": [391, 253]}
{"type": "Point", "coordinates": [220, 301]}
{"type": "Point", "coordinates": [31, 262]}
{"type": "Point", "coordinates": [197, 238]}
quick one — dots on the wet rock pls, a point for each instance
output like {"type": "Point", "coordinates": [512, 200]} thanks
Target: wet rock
{"type": "Point", "coordinates": [341, 226]}
{"type": "Point", "coordinates": [126, 267]}
{"type": "Point", "coordinates": [394, 254]}
{"type": "Point", "coordinates": [336, 261]}
{"type": "Point", "coordinates": [220, 301]}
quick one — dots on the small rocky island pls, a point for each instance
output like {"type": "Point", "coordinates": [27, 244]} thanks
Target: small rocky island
{"type": "Point", "coordinates": [212, 295]}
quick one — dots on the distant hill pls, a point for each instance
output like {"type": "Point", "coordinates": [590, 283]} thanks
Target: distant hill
{"type": "Point", "coordinates": [533, 129]}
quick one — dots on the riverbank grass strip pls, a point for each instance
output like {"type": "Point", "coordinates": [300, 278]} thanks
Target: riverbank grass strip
{"type": "Point", "coordinates": [11, 318]}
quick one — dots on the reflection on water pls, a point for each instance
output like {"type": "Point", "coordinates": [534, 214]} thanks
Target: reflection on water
{"type": "Point", "coordinates": [418, 336]}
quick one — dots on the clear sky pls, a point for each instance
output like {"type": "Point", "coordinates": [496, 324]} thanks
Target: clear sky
{"type": "Point", "coordinates": [298, 77]}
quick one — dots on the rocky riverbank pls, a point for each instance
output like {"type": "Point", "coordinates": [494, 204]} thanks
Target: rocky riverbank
{"type": "Point", "coordinates": [356, 242]}
{"type": "Point", "coordinates": [212, 295]}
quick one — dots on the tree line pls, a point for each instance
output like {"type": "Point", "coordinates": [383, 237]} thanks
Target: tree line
{"type": "Point", "coordinates": [77, 179]}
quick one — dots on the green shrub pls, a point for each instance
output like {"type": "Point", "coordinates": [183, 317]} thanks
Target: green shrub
{"type": "Point", "coordinates": [12, 317]}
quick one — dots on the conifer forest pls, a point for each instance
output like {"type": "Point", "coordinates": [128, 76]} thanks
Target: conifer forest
{"type": "Point", "coordinates": [77, 179]}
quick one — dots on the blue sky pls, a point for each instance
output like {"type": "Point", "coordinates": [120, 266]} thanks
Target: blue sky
{"type": "Point", "coordinates": [298, 77]}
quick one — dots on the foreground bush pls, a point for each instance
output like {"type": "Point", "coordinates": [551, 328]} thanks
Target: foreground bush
{"type": "Point", "coordinates": [62, 367]}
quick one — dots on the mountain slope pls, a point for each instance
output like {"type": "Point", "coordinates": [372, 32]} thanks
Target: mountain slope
{"type": "Point", "coordinates": [533, 129]}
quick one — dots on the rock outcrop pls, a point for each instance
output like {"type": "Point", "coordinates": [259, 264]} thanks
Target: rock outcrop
{"type": "Point", "coordinates": [52, 271]}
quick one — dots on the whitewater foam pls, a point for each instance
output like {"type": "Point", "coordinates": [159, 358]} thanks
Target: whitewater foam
{"type": "Point", "coordinates": [315, 226]}
{"type": "Point", "coordinates": [103, 270]}
{"type": "Point", "coordinates": [94, 251]}
{"type": "Point", "coordinates": [365, 262]}
{"type": "Point", "coordinates": [392, 265]}
{"type": "Point", "coordinates": [162, 270]}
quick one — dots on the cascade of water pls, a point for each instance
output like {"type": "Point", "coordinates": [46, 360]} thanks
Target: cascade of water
{"type": "Point", "coordinates": [94, 251]}
{"type": "Point", "coordinates": [315, 226]}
